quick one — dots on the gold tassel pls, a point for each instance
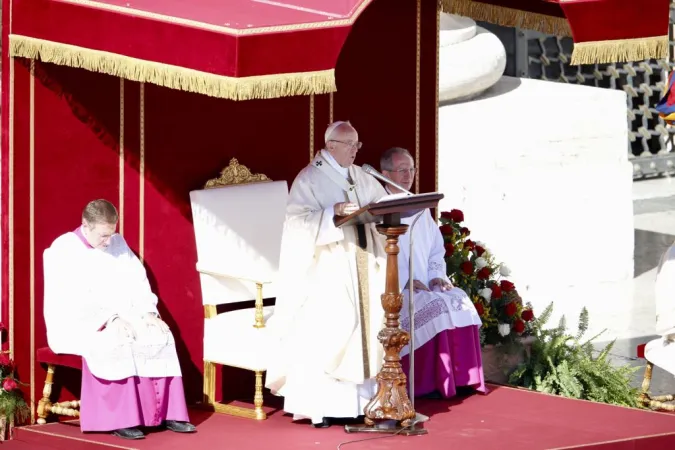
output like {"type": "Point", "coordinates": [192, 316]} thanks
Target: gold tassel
{"type": "Point", "coordinates": [621, 50]}
{"type": "Point", "coordinates": [507, 17]}
{"type": "Point", "coordinates": [174, 77]}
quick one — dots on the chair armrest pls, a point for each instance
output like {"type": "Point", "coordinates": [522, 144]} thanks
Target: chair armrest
{"type": "Point", "coordinates": [210, 310]}
{"type": "Point", "coordinates": [231, 276]}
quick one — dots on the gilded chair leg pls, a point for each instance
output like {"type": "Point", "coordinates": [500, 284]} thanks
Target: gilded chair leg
{"type": "Point", "coordinates": [44, 405]}
{"type": "Point", "coordinates": [258, 397]}
{"type": "Point", "coordinates": [655, 403]}
{"type": "Point", "coordinates": [646, 381]}
{"type": "Point", "coordinates": [209, 383]}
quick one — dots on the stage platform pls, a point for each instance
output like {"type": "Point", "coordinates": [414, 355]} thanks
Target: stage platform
{"type": "Point", "coordinates": [506, 418]}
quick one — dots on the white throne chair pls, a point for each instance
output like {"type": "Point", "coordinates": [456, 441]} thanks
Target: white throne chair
{"type": "Point", "coordinates": [238, 221]}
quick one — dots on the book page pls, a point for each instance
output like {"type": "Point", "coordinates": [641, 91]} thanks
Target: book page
{"type": "Point", "coordinates": [393, 197]}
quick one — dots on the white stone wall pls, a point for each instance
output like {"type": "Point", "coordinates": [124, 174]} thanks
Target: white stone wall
{"type": "Point", "coordinates": [540, 170]}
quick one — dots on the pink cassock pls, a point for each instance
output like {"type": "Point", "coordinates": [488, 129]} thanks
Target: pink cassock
{"type": "Point", "coordinates": [450, 359]}
{"type": "Point", "coordinates": [132, 402]}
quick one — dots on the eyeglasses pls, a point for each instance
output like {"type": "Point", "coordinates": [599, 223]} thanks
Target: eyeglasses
{"type": "Point", "coordinates": [411, 171]}
{"type": "Point", "coordinates": [348, 143]}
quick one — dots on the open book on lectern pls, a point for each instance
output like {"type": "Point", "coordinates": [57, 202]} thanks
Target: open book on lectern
{"type": "Point", "coordinates": [403, 205]}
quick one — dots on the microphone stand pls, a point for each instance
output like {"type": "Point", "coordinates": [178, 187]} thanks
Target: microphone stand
{"type": "Point", "coordinates": [411, 313]}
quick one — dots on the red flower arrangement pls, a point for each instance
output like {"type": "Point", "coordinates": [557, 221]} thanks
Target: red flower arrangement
{"type": "Point", "coordinates": [472, 267]}
{"type": "Point", "coordinates": [12, 404]}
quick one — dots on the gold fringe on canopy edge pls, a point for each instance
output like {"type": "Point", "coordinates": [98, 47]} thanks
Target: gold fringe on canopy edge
{"type": "Point", "coordinates": [507, 17]}
{"type": "Point", "coordinates": [174, 77]}
{"type": "Point", "coordinates": [621, 50]}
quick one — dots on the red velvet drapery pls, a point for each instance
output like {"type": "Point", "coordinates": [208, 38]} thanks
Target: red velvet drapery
{"type": "Point", "coordinates": [234, 49]}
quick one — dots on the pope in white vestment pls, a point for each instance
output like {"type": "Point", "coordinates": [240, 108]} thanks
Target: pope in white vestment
{"type": "Point", "coordinates": [98, 304]}
{"type": "Point", "coordinates": [328, 311]}
{"type": "Point", "coordinates": [661, 351]}
{"type": "Point", "coordinates": [446, 338]}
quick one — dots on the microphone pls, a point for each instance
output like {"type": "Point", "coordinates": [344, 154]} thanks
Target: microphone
{"type": "Point", "coordinates": [371, 171]}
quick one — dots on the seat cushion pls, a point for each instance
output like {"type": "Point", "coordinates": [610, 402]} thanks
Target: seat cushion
{"type": "Point", "coordinates": [45, 355]}
{"type": "Point", "coordinates": [230, 339]}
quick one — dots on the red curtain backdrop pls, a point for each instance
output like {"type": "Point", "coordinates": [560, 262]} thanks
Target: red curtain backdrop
{"type": "Point", "coordinates": [188, 139]}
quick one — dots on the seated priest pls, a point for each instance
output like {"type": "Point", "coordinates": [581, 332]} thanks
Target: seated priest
{"type": "Point", "coordinates": [328, 310]}
{"type": "Point", "coordinates": [447, 342]}
{"type": "Point", "coordinates": [99, 305]}
{"type": "Point", "coordinates": [661, 351]}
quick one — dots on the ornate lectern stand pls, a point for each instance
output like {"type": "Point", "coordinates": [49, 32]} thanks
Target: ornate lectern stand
{"type": "Point", "coordinates": [391, 402]}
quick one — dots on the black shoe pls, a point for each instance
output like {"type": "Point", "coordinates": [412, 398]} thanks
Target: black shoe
{"type": "Point", "coordinates": [325, 423]}
{"type": "Point", "coordinates": [129, 433]}
{"type": "Point", "coordinates": [435, 395]}
{"type": "Point", "coordinates": [180, 427]}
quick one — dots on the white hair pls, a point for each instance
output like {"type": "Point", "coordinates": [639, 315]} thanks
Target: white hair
{"type": "Point", "coordinates": [331, 129]}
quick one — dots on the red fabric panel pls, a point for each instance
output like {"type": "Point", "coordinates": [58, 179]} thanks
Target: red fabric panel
{"type": "Point", "coordinates": [321, 120]}
{"type": "Point", "coordinates": [428, 97]}
{"type": "Point", "coordinates": [641, 350]}
{"type": "Point", "coordinates": [179, 45]}
{"type": "Point", "coordinates": [376, 79]}
{"type": "Point", "coordinates": [21, 194]}
{"type": "Point", "coordinates": [45, 355]}
{"type": "Point", "coordinates": [132, 141]}
{"type": "Point", "coordinates": [602, 20]}
{"type": "Point", "coordinates": [4, 178]}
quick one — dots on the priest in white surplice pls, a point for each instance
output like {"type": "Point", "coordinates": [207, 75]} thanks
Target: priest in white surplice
{"type": "Point", "coordinates": [99, 305]}
{"type": "Point", "coordinates": [447, 342]}
{"type": "Point", "coordinates": [328, 310]}
{"type": "Point", "coordinates": [661, 351]}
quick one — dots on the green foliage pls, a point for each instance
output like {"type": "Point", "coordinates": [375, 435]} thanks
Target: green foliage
{"type": "Point", "coordinates": [12, 403]}
{"type": "Point", "coordinates": [560, 363]}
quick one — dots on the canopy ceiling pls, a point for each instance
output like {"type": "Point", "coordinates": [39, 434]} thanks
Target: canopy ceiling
{"type": "Point", "coordinates": [604, 31]}
{"type": "Point", "coordinates": [247, 49]}
{"type": "Point", "coordinates": [235, 49]}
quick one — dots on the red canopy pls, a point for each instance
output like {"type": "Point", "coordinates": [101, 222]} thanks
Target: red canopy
{"type": "Point", "coordinates": [247, 49]}
{"type": "Point", "coordinates": [236, 49]}
{"type": "Point", "coordinates": [604, 31]}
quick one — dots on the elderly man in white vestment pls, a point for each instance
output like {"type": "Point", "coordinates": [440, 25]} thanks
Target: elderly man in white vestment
{"type": "Point", "coordinates": [661, 351]}
{"type": "Point", "coordinates": [447, 342]}
{"type": "Point", "coordinates": [99, 305]}
{"type": "Point", "coordinates": [328, 311]}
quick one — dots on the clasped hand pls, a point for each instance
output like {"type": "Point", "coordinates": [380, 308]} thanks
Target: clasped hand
{"type": "Point", "coordinates": [345, 208]}
{"type": "Point", "coordinates": [441, 284]}
{"type": "Point", "coordinates": [126, 330]}
{"type": "Point", "coordinates": [152, 320]}
{"type": "Point", "coordinates": [436, 282]}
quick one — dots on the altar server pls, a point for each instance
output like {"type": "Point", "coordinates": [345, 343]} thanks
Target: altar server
{"type": "Point", "coordinates": [328, 311]}
{"type": "Point", "coordinates": [99, 304]}
{"type": "Point", "coordinates": [447, 342]}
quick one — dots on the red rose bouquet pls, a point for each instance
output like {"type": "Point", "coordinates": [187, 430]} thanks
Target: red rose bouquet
{"type": "Point", "coordinates": [472, 267]}
{"type": "Point", "coordinates": [12, 404]}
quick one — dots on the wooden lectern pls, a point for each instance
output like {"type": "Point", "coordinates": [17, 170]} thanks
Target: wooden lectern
{"type": "Point", "coordinates": [391, 401]}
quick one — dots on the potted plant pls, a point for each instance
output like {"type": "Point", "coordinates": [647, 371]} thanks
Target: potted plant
{"type": "Point", "coordinates": [13, 407]}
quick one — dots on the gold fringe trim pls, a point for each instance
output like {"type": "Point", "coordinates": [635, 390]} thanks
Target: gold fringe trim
{"type": "Point", "coordinates": [507, 17]}
{"type": "Point", "coordinates": [174, 77]}
{"type": "Point", "coordinates": [620, 50]}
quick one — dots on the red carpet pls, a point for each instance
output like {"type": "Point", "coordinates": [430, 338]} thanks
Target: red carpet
{"type": "Point", "coordinates": [506, 418]}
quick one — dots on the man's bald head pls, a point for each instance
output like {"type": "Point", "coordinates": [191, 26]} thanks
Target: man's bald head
{"type": "Point", "coordinates": [342, 142]}
{"type": "Point", "coordinates": [337, 130]}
